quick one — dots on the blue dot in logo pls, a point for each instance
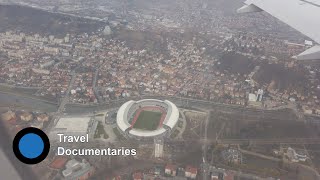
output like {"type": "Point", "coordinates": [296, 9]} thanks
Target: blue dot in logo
{"type": "Point", "coordinates": [31, 145]}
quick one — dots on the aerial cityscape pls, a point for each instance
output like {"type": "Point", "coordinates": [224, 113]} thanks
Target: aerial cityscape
{"type": "Point", "coordinates": [166, 89]}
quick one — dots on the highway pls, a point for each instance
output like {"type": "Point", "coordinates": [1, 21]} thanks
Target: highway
{"type": "Point", "coordinates": [271, 141]}
{"type": "Point", "coordinates": [63, 103]}
{"type": "Point", "coordinates": [209, 105]}
{"type": "Point", "coordinates": [65, 99]}
{"type": "Point", "coordinates": [182, 102]}
{"type": "Point", "coordinates": [267, 141]}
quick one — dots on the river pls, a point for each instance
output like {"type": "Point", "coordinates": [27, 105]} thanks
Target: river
{"type": "Point", "coordinates": [23, 102]}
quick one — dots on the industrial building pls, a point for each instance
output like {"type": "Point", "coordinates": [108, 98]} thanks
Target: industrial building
{"type": "Point", "coordinates": [78, 170]}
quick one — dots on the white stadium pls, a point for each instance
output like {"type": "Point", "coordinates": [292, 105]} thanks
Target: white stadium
{"type": "Point", "coordinates": [147, 119]}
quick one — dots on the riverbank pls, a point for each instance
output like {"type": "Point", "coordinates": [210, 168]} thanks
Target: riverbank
{"type": "Point", "coordinates": [25, 92]}
{"type": "Point", "coordinates": [26, 102]}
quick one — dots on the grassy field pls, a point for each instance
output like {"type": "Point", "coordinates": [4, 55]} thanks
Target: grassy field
{"type": "Point", "coordinates": [175, 133]}
{"type": "Point", "coordinates": [118, 134]}
{"type": "Point", "coordinates": [100, 131]}
{"type": "Point", "coordinates": [148, 120]}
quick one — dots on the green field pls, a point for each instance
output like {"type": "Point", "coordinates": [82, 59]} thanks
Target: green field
{"type": "Point", "coordinates": [148, 120]}
{"type": "Point", "coordinates": [100, 131]}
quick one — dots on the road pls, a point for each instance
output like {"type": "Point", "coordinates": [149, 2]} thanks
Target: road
{"type": "Point", "coordinates": [181, 101]}
{"type": "Point", "coordinates": [19, 87]}
{"type": "Point", "coordinates": [65, 99]}
{"type": "Point", "coordinates": [94, 85]}
{"type": "Point", "coordinates": [271, 141]}
{"type": "Point", "coordinates": [63, 102]}
{"type": "Point", "coordinates": [288, 141]}
{"type": "Point", "coordinates": [205, 165]}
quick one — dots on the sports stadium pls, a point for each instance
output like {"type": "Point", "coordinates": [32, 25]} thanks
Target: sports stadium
{"type": "Point", "coordinates": [147, 118]}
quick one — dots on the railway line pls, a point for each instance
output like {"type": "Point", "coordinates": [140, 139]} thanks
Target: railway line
{"type": "Point", "coordinates": [291, 141]}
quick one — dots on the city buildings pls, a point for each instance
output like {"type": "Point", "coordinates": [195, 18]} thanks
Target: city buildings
{"type": "Point", "coordinates": [78, 170]}
{"type": "Point", "coordinates": [232, 156]}
{"type": "Point", "coordinates": [295, 156]}
{"type": "Point", "coordinates": [158, 149]}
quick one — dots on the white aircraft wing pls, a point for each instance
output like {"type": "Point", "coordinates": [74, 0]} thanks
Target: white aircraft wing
{"type": "Point", "coordinates": [302, 15]}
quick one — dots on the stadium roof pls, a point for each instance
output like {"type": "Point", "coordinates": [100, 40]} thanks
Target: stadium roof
{"type": "Point", "coordinates": [172, 115]}
{"type": "Point", "coordinates": [144, 100]}
{"type": "Point", "coordinates": [122, 121]}
{"type": "Point", "coordinates": [142, 133]}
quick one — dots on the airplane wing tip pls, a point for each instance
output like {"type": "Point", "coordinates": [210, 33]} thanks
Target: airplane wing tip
{"type": "Point", "coordinates": [249, 8]}
{"type": "Point", "coordinates": [310, 54]}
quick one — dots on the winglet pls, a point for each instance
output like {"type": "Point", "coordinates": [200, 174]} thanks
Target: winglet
{"type": "Point", "coordinates": [249, 9]}
{"type": "Point", "coordinates": [310, 54]}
